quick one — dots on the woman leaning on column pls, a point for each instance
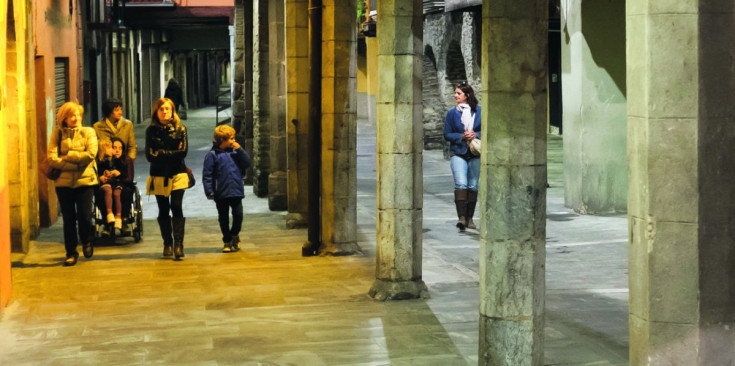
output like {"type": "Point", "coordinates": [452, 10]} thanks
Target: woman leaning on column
{"type": "Point", "coordinates": [166, 145]}
{"type": "Point", "coordinates": [461, 126]}
{"type": "Point", "coordinates": [72, 149]}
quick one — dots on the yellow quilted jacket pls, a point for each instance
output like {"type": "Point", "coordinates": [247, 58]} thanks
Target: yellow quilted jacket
{"type": "Point", "coordinates": [79, 147]}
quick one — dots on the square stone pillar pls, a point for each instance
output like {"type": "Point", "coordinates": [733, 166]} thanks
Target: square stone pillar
{"type": "Point", "coordinates": [513, 182]}
{"type": "Point", "coordinates": [277, 93]}
{"type": "Point", "coordinates": [681, 128]}
{"type": "Point", "coordinates": [339, 128]}
{"type": "Point", "coordinates": [297, 125]}
{"type": "Point", "coordinates": [242, 93]}
{"type": "Point", "coordinates": [400, 143]}
{"type": "Point", "coordinates": [261, 95]}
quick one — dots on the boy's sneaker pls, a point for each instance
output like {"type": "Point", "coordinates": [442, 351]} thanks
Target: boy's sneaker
{"type": "Point", "coordinates": [110, 217]}
{"type": "Point", "coordinates": [118, 223]}
{"type": "Point", "coordinates": [227, 248]}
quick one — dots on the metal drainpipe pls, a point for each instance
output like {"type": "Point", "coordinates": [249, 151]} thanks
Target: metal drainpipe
{"type": "Point", "coordinates": [311, 247]}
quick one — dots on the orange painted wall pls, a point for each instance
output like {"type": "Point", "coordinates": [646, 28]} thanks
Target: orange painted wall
{"type": "Point", "coordinates": [5, 277]}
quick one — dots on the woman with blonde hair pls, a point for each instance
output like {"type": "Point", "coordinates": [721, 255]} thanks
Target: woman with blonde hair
{"type": "Point", "coordinates": [166, 145]}
{"type": "Point", "coordinates": [72, 149]}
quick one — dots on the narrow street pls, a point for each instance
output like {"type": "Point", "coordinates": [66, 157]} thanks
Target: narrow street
{"type": "Point", "coordinates": [268, 305]}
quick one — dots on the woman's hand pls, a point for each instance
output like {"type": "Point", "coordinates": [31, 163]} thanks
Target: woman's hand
{"type": "Point", "coordinates": [115, 173]}
{"type": "Point", "coordinates": [469, 135]}
{"type": "Point", "coordinates": [103, 179]}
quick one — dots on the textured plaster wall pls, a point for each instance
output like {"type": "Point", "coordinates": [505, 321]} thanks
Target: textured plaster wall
{"type": "Point", "coordinates": [593, 95]}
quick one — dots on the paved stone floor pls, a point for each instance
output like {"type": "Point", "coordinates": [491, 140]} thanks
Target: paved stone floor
{"type": "Point", "coordinates": [267, 305]}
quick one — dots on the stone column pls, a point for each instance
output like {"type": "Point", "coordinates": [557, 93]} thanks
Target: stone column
{"type": "Point", "coordinates": [248, 124]}
{"type": "Point", "coordinates": [238, 68]}
{"type": "Point", "coordinates": [297, 125]}
{"type": "Point", "coordinates": [22, 184]}
{"type": "Point", "coordinates": [681, 128]}
{"type": "Point", "coordinates": [339, 128]}
{"type": "Point", "coordinates": [146, 101]}
{"type": "Point", "coordinates": [513, 182]}
{"type": "Point", "coordinates": [261, 104]}
{"type": "Point", "coordinates": [400, 147]}
{"type": "Point", "coordinates": [277, 80]}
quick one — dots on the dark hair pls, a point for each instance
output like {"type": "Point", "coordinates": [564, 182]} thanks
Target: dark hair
{"type": "Point", "coordinates": [471, 98]}
{"type": "Point", "coordinates": [110, 105]}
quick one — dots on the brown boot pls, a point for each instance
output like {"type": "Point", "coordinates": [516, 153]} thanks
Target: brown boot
{"type": "Point", "coordinates": [460, 201]}
{"type": "Point", "coordinates": [164, 223]}
{"type": "Point", "coordinates": [471, 203]}
{"type": "Point", "coordinates": [178, 224]}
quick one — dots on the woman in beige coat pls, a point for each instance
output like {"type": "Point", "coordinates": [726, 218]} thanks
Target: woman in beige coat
{"type": "Point", "coordinates": [72, 149]}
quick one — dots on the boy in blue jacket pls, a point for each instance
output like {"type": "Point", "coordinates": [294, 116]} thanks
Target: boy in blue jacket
{"type": "Point", "coordinates": [224, 167]}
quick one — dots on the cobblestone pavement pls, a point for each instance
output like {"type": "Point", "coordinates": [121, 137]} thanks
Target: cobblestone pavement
{"type": "Point", "coordinates": [267, 305]}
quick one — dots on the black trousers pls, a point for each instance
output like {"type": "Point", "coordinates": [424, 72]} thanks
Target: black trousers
{"type": "Point", "coordinates": [223, 216]}
{"type": "Point", "coordinates": [76, 210]}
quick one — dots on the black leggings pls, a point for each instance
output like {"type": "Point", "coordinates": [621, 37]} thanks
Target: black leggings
{"type": "Point", "coordinates": [172, 203]}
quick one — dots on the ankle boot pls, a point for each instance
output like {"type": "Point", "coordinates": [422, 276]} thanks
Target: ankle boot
{"type": "Point", "coordinates": [178, 226]}
{"type": "Point", "coordinates": [471, 203]}
{"type": "Point", "coordinates": [164, 223]}
{"type": "Point", "coordinates": [460, 201]}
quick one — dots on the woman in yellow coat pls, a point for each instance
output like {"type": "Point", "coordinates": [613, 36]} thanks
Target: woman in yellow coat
{"type": "Point", "coordinates": [72, 149]}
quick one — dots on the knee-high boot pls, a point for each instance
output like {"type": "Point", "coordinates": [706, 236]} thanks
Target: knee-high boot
{"type": "Point", "coordinates": [178, 223]}
{"type": "Point", "coordinates": [164, 223]}
{"type": "Point", "coordinates": [460, 201]}
{"type": "Point", "coordinates": [471, 203]}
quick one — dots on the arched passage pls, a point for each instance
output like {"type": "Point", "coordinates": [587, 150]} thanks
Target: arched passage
{"type": "Point", "coordinates": [456, 73]}
{"type": "Point", "coordinates": [432, 101]}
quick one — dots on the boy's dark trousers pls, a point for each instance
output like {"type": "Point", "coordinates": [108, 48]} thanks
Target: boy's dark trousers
{"type": "Point", "coordinates": [223, 206]}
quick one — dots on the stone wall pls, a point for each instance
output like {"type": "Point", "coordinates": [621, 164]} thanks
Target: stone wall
{"type": "Point", "coordinates": [451, 55]}
{"type": "Point", "coordinates": [594, 119]}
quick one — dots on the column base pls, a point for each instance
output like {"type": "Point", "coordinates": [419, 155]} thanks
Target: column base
{"type": "Point", "coordinates": [383, 290]}
{"type": "Point", "coordinates": [277, 202]}
{"type": "Point", "coordinates": [296, 220]}
{"type": "Point", "coordinates": [337, 249]}
{"type": "Point", "coordinates": [510, 342]}
{"type": "Point", "coordinates": [277, 188]}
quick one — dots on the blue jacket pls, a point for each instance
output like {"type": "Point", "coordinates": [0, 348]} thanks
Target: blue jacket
{"type": "Point", "coordinates": [223, 171]}
{"type": "Point", "coordinates": [453, 130]}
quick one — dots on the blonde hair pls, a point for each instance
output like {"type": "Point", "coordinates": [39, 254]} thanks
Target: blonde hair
{"type": "Point", "coordinates": [176, 121]}
{"type": "Point", "coordinates": [67, 110]}
{"type": "Point", "coordinates": [102, 146]}
{"type": "Point", "coordinates": [223, 133]}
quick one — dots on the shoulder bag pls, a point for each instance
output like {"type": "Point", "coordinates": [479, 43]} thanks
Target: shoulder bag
{"type": "Point", "coordinates": [45, 165]}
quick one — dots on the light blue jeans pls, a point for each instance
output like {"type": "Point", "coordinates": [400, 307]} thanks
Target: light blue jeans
{"type": "Point", "coordinates": [466, 173]}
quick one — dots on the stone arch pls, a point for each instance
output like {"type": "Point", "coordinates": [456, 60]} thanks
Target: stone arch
{"type": "Point", "coordinates": [432, 102]}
